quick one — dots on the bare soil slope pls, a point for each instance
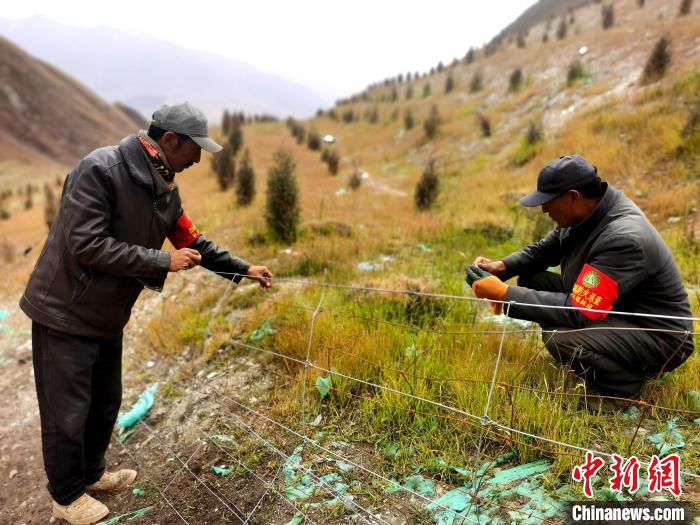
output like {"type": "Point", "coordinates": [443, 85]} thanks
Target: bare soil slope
{"type": "Point", "coordinates": [46, 115]}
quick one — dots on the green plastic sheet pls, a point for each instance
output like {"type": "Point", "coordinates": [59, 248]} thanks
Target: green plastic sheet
{"type": "Point", "coordinates": [140, 409]}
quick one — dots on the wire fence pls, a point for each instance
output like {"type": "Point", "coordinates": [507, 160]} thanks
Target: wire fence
{"type": "Point", "coordinates": [487, 426]}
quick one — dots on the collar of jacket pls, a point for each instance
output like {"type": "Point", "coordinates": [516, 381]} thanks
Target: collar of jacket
{"type": "Point", "coordinates": [598, 214]}
{"type": "Point", "coordinates": [136, 161]}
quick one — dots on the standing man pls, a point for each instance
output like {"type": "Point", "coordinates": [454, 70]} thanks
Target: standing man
{"type": "Point", "coordinates": [118, 206]}
{"type": "Point", "coordinates": [611, 257]}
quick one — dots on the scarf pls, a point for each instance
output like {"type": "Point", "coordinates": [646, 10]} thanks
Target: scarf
{"type": "Point", "coordinates": [161, 171]}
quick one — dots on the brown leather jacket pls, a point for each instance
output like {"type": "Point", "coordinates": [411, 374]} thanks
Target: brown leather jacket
{"type": "Point", "coordinates": [104, 245]}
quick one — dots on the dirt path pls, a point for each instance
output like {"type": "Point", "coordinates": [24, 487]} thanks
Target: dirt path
{"type": "Point", "coordinates": [176, 430]}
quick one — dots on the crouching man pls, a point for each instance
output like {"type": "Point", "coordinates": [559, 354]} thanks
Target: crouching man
{"type": "Point", "coordinates": [611, 258]}
{"type": "Point", "coordinates": [118, 206]}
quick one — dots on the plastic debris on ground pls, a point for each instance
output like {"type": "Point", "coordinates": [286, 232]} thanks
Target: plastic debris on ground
{"type": "Point", "coordinates": [265, 329]}
{"type": "Point", "coordinates": [301, 483]}
{"type": "Point", "coordinates": [136, 491]}
{"type": "Point", "coordinates": [140, 409]}
{"type": "Point", "coordinates": [423, 247]}
{"type": "Point", "coordinates": [505, 320]}
{"type": "Point", "coordinates": [224, 439]}
{"type": "Point", "coordinates": [668, 439]}
{"type": "Point", "coordinates": [135, 514]}
{"type": "Point", "coordinates": [4, 314]}
{"type": "Point", "coordinates": [126, 435]}
{"type": "Point", "coordinates": [323, 385]}
{"type": "Point", "coordinates": [298, 519]}
{"type": "Point", "coordinates": [369, 266]}
{"type": "Point", "coordinates": [4, 361]}
{"type": "Point", "coordinates": [221, 471]}
{"type": "Point", "coordinates": [341, 191]}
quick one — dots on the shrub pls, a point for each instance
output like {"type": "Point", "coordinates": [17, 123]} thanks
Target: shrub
{"type": "Point", "coordinates": [608, 15]}
{"type": "Point", "coordinates": [529, 146]}
{"type": "Point", "coordinates": [516, 80]}
{"type": "Point", "coordinates": [685, 8]}
{"type": "Point", "coordinates": [355, 180]}
{"type": "Point", "coordinates": [282, 209]}
{"type": "Point", "coordinates": [332, 160]}
{"type": "Point", "coordinates": [427, 91]}
{"type": "Point", "coordinates": [225, 122]}
{"type": "Point", "coordinates": [245, 181]}
{"type": "Point", "coordinates": [545, 38]}
{"type": "Point", "coordinates": [332, 115]}
{"type": "Point", "coordinates": [641, 3]}
{"type": "Point", "coordinates": [562, 28]}
{"type": "Point", "coordinates": [534, 133]}
{"type": "Point", "coordinates": [235, 136]}
{"type": "Point", "coordinates": [576, 72]}
{"type": "Point", "coordinates": [224, 167]}
{"type": "Point", "coordinates": [7, 251]}
{"type": "Point", "coordinates": [484, 125]}
{"type": "Point", "coordinates": [658, 61]}
{"type": "Point", "coordinates": [477, 82]}
{"type": "Point", "coordinates": [50, 206]}
{"type": "Point", "coordinates": [408, 119]}
{"type": "Point", "coordinates": [449, 83]}
{"type": "Point", "coordinates": [520, 41]}
{"type": "Point", "coordinates": [348, 116]}
{"type": "Point", "coordinates": [432, 123]}
{"type": "Point", "coordinates": [373, 115]}
{"type": "Point", "coordinates": [28, 201]}
{"type": "Point", "coordinates": [470, 56]}
{"type": "Point", "coordinates": [409, 92]}
{"type": "Point", "coordinates": [427, 188]}
{"type": "Point", "coordinates": [313, 140]}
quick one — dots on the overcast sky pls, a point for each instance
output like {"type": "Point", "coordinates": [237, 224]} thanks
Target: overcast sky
{"type": "Point", "coordinates": [335, 48]}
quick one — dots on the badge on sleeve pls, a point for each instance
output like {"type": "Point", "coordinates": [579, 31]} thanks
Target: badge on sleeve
{"type": "Point", "coordinates": [595, 290]}
{"type": "Point", "coordinates": [183, 233]}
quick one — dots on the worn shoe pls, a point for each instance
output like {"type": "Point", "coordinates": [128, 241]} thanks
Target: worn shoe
{"type": "Point", "coordinates": [114, 481]}
{"type": "Point", "coordinates": [83, 511]}
{"type": "Point", "coordinates": [597, 404]}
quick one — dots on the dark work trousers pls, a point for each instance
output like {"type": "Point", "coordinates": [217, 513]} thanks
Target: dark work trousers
{"type": "Point", "coordinates": [78, 385]}
{"type": "Point", "coordinates": [613, 362]}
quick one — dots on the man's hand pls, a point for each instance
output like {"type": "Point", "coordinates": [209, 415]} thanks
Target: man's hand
{"type": "Point", "coordinates": [184, 259]}
{"type": "Point", "coordinates": [262, 275]}
{"type": "Point", "coordinates": [493, 267]}
{"type": "Point", "coordinates": [487, 286]}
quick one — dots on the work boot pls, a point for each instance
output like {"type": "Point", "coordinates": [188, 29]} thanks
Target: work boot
{"type": "Point", "coordinates": [114, 481]}
{"type": "Point", "coordinates": [83, 511]}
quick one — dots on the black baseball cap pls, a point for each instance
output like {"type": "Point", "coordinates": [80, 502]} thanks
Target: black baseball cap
{"type": "Point", "coordinates": [186, 119]}
{"type": "Point", "coordinates": [559, 176]}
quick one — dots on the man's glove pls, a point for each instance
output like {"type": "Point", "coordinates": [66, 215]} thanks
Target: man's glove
{"type": "Point", "coordinates": [487, 286]}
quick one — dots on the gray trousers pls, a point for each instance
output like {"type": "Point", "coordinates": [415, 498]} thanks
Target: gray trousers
{"type": "Point", "coordinates": [614, 361]}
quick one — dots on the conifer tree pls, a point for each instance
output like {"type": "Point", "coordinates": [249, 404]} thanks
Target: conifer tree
{"type": "Point", "coordinates": [608, 15]}
{"type": "Point", "coordinates": [432, 123]}
{"type": "Point", "coordinates": [427, 188]}
{"type": "Point", "coordinates": [282, 210]}
{"type": "Point", "coordinates": [477, 82]}
{"type": "Point", "coordinates": [235, 136]}
{"type": "Point", "coordinates": [658, 61]}
{"type": "Point", "coordinates": [50, 206]}
{"type": "Point", "coordinates": [408, 121]}
{"type": "Point", "coordinates": [449, 83]}
{"type": "Point", "coordinates": [685, 8]}
{"type": "Point", "coordinates": [516, 80]}
{"type": "Point", "coordinates": [224, 167]}
{"type": "Point", "coordinates": [245, 181]}
{"type": "Point", "coordinates": [562, 29]}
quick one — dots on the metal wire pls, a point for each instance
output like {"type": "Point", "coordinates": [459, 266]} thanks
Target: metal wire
{"type": "Point", "coordinates": [305, 282]}
{"type": "Point", "coordinates": [235, 510]}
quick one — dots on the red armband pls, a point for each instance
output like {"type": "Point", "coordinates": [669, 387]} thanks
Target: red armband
{"type": "Point", "coordinates": [595, 290]}
{"type": "Point", "coordinates": [183, 233]}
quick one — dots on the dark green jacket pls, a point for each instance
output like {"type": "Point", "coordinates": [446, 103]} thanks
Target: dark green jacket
{"type": "Point", "coordinates": [619, 241]}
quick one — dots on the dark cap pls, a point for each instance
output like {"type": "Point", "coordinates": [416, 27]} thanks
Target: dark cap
{"type": "Point", "coordinates": [559, 176]}
{"type": "Point", "coordinates": [186, 119]}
